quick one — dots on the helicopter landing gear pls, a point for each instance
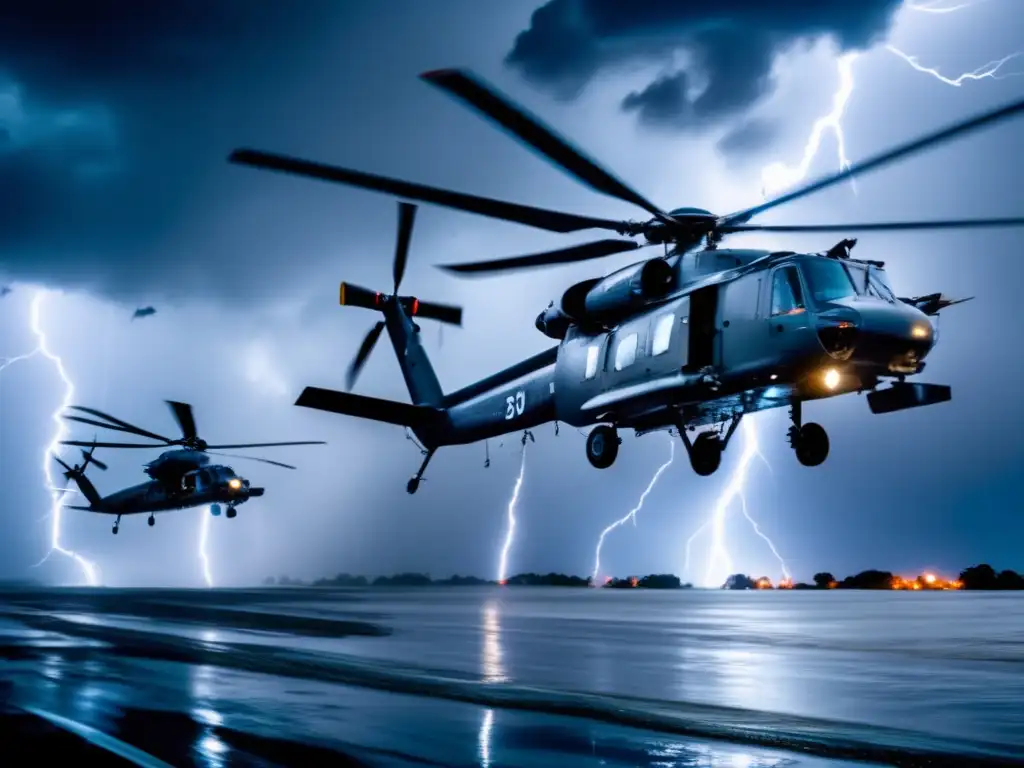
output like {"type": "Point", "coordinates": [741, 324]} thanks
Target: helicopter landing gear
{"type": "Point", "coordinates": [231, 512]}
{"type": "Point", "coordinates": [706, 450]}
{"type": "Point", "coordinates": [151, 521]}
{"type": "Point", "coordinates": [414, 483]}
{"type": "Point", "coordinates": [215, 510]}
{"type": "Point", "coordinates": [602, 446]}
{"type": "Point", "coordinates": [117, 525]}
{"type": "Point", "coordinates": [809, 441]}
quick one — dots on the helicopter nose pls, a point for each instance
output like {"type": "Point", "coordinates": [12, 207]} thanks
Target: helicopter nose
{"type": "Point", "coordinates": [897, 337]}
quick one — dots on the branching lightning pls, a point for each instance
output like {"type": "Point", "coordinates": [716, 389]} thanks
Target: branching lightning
{"type": "Point", "coordinates": [89, 570]}
{"type": "Point", "coordinates": [719, 559]}
{"type": "Point", "coordinates": [990, 71]}
{"type": "Point", "coordinates": [631, 515]}
{"type": "Point", "coordinates": [777, 176]}
{"type": "Point", "coordinates": [510, 532]}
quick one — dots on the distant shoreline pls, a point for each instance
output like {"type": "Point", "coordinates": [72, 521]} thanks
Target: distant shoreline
{"type": "Point", "coordinates": [976, 578]}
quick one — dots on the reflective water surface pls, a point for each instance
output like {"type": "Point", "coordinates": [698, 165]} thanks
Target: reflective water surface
{"type": "Point", "coordinates": [528, 676]}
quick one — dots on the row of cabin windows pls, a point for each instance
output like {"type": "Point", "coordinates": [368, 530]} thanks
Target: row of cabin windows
{"type": "Point", "coordinates": [625, 350]}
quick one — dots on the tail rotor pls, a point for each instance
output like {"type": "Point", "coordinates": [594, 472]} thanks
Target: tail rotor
{"type": "Point", "coordinates": [78, 471]}
{"type": "Point", "coordinates": [357, 296]}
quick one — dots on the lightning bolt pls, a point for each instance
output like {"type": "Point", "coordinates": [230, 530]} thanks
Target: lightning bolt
{"type": "Point", "coordinates": [989, 71]}
{"type": "Point", "coordinates": [89, 570]}
{"type": "Point", "coordinates": [631, 515]}
{"type": "Point", "coordinates": [718, 557]}
{"type": "Point", "coordinates": [777, 176]}
{"type": "Point", "coordinates": [204, 535]}
{"type": "Point", "coordinates": [510, 532]}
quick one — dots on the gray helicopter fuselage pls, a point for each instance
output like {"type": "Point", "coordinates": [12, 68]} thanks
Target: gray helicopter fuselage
{"type": "Point", "coordinates": [209, 485]}
{"type": "Point", "coordinates": [752, 326]}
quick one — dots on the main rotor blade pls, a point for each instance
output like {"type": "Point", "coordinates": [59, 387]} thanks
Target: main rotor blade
{"type": "Point", "coordinates": [443, 313]}
{"type": "Point", "coordinates": [595, 250]}
{"type": "Point", "coordinates": [406, 218]}
{"type": "Point", "coordinates": [252, 458]}
{"type": "Point", "coordinates": [361, 356]}
{"type": "Point", "coordinates": [84, 444]}
{"type": "Point", "coordinates": [486, 100]}
{"type": "Point", "coordinates": [904, 150]}
{"type": "Point", "coordinates": [183, 415]}
{"type": "Point", "coordinates": [268, 445]}
{"type": "Point", "coordinates": [886, 226]}
{"type": "Point", "coordinates": [123, 425]}
{"type": "Point", "coordinates": [95, 423]}
{"type": "Point", "coordinates": [541, 218]}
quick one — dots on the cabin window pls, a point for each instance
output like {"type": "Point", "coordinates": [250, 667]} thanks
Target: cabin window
{"type": "Point", "coordinates": [787, 293]}
{"type": "Point", "coordinates": [662, 334]}
{"type": "Point", "coordinates": [828, 280]}
{"type": "Point", "coordinates": [593, 352]}
{"type": "Point", "coordinates": [625, 352]}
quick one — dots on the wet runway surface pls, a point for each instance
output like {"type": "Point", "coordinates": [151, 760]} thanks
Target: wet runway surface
{"type": "Point", "coordinates": [469, 677]}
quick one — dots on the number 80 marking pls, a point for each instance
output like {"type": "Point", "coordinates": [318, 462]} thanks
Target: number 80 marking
{"type": "Point", "coordinates": [515, 405]}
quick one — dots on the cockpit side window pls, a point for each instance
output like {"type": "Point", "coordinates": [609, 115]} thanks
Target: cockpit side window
{"type": "Point", "coordinates": [787, 293]}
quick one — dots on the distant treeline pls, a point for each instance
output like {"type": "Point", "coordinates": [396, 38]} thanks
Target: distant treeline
{"type": "Point", "coordinates": [654, 581]}
{"type": "Point", "coordinates": [977, 577]}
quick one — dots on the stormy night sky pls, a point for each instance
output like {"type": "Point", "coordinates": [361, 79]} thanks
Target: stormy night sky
{"type": "Point", "coordinates": [115, 125]}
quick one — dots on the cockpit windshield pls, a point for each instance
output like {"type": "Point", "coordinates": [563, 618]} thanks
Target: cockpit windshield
{"type": "Point", "coordinates": [828, 280]}
{"type": "Point", "coordinates": [878, 280]}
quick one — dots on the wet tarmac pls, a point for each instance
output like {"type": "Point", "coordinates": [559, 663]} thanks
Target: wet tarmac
{"type": "Point", "coordinates": [290, 677]}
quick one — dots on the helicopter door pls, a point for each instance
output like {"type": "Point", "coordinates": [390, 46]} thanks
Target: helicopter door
{"type": "Point", "coordinates": [703, 309]}
{"type": "Point", "coordinates": [790, 325]}
{"type": "Point", "coordinates": [188, 482]}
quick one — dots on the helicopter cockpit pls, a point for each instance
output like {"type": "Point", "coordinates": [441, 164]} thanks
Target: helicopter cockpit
{"type": "Point", "coordinates": [210, 477]}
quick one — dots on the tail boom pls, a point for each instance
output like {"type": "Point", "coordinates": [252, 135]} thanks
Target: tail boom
{"type": "Point", "coordinates": [520, 404]}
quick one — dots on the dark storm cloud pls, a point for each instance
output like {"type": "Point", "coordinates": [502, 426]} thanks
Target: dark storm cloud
{"type": "Point", "coordinates": [104, 109]}
{"type": "Point", "coordinates": [729, 46]}
{"type": "Point", "coordinates": [748, 138]}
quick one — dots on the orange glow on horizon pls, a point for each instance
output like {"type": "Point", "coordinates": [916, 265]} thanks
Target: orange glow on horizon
{"type": "Point", "coordinates": [927, 580]}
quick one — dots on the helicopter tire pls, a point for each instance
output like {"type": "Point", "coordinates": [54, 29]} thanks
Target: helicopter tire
{"type": "Point", "coordinates": [114, 530]}
{"type": "Point", "coordinates": [151, 521]}
{"type": "Point", "coordinates": [811, 445]}
{"type": "Point", "coordinates": [602, 446]}
{"type": "Point", "coordinates": [231, 512]}
{"type": "Point", "coordinates": [215, 510]}
{"type": "Point", "coordinates": [413, 485]}
{"type": "Point", "coordinates": [706, 454]}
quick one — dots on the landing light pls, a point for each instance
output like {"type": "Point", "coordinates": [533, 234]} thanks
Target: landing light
{"type": "Point", "coordinates": [234, 483]}
{"type": "Point", "coordinates": [920, 332]}
{"type": "Point", "coordinates": [831, 378]}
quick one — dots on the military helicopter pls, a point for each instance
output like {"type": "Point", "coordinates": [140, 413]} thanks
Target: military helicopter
{"type": "Point", "coordinates": [181, 478]}
{"type": "Point", "coordinates": [693, 337]}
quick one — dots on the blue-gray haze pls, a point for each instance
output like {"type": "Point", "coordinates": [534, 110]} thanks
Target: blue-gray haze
{"type": "Point", "coordinates": [114, 129]}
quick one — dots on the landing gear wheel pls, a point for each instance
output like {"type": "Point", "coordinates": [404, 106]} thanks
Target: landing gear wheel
{"type": "Point", "coordinates": [151, 521]}
{"type": "Point", "coordinates": [413, 485]}
{"type": "Point", "coordinates": [215, 510]}
{"type": "Point", "coordinates": [114, 529]}
{"type": "Point", "coordinates": [706, 454]}
{"type": "Point", "coordinates": [231, 512]}
{"type": "Point", "coordinates": [811, 444]}
{"type": "Point", "coordinates": [602, 446]}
